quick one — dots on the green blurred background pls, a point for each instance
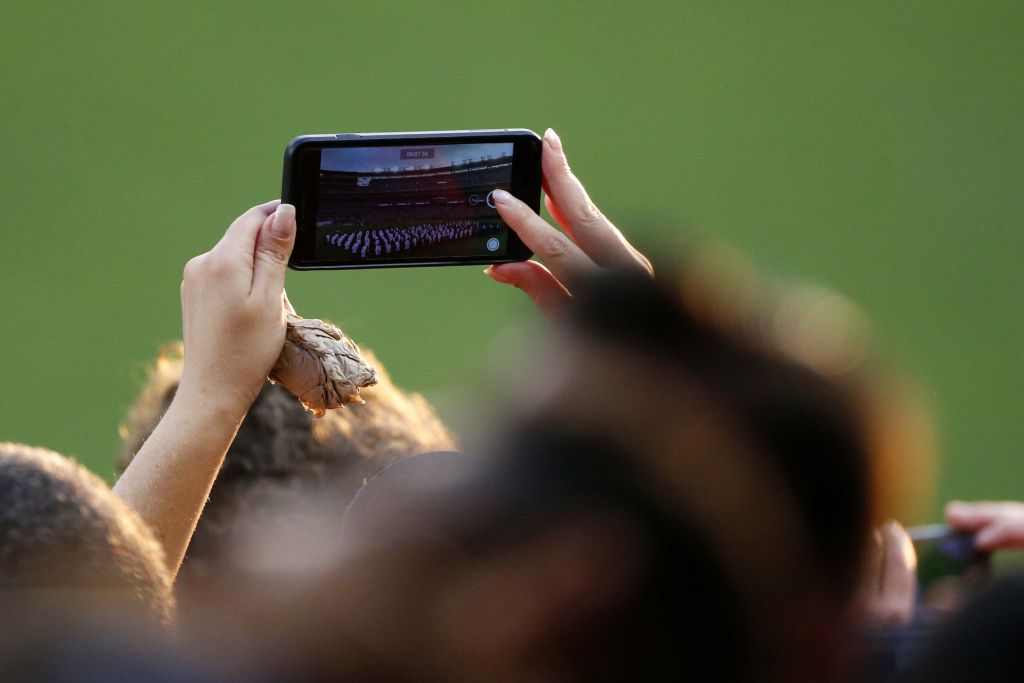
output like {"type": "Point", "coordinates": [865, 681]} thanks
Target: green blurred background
{"type": "Point", "coordinates": [876, 147]}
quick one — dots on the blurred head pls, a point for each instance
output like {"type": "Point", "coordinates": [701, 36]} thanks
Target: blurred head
{"type": "Point", "coordinates": [283, 456]}
{"type": "Point", "coordinates": [547, 556]}
{"type": "Point", "coordinates": [65, 537]}
{"type": "Point", "coordinates": [671, 494]}
{"type": "Point", "coordinates": [647, 365]}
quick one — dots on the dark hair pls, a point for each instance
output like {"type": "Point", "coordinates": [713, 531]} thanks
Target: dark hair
{"type": "Point", "coordinates": [683, 619]}
{"type": "Point", "coordinates": [63, 529]}
{"type": "Point", "coordinates": [808, 426]}
{"type": "Point", "coordinates": [680, 616]}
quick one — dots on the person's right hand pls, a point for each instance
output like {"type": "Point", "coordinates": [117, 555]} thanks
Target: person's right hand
{"type": "Point", "coordinates": [234, 308]}
{"type": "Point", "coordinates": [589, 241]}
{"type": "Point", "coordinates": [996, 526]}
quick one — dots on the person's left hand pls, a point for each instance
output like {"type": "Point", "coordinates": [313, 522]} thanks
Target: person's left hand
{"type": "Point", "coordinates": [234, 306]}
{"type": "Point", "coordinates": [587, 243]}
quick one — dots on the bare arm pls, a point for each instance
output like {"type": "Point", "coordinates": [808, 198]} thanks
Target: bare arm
{"type": "Point", "coordinates": [233, 313]}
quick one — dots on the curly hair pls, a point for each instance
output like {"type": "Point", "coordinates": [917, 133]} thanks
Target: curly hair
{"type": "Point", "coordinates": [283, 453]}
{"type": "Point", "coordinates": [62, 528]}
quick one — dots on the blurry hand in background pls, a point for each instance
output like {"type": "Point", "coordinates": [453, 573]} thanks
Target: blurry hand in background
{"type": "Point", "coordinates": [996, 526]}
{"type": "Point", "coordinates": [587, 243]}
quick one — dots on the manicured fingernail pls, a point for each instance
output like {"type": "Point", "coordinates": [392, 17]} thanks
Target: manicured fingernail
{"type": "Point", "coordinates": [501, 196]}
{"type": "Point", "coordinates": [283, 224]}
{"type": "Point", "coordinates": [493, 273]}
{"type": "Point", "coordinates": [552, 137]}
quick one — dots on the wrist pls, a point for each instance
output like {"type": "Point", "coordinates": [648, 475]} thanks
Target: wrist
{"type": "Point", "coordinates": [211, 402]}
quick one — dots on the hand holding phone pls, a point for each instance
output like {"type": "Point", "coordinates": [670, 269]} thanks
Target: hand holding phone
{"type": "Point", "coordinates": [996, 525]}
{"type": "Point", "coordinates": [588, 240]}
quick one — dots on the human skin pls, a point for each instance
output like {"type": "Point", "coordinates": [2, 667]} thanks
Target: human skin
{"type": "Point", "coordinates": [890, 578]}
{"type": "Point", "coordinates": [233, 317]}
{"type": "Point", "coordinates": [587, 243]}
{"type": "Point", "coordinates": [996, 525]}
{"type": "Point", "coordinates": [234, 311]}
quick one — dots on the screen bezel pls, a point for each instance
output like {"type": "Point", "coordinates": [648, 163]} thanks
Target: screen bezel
{"type": "Point", "coordinates": [301, 181]}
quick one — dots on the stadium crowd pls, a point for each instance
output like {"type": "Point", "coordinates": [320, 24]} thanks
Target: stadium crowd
{"type": "Point", "coordinates": [384, 241]}
{"type": "Point", "coordinates": [364, 211]}
{"type": "Point", "coordinates": [692, 478]}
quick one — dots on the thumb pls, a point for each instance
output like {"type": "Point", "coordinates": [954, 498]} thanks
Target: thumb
{"type": "Point", "coordinates": [273, 248]}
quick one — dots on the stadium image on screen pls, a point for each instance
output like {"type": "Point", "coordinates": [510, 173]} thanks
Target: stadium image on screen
{"type": "Point", "coordinates": [411, 202]}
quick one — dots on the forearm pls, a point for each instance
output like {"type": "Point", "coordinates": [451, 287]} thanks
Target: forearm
{"type": "Point", "coordinates": [169, 480]}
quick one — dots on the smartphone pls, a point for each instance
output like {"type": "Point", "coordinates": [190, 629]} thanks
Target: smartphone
{"type": "Point", "coordinates": [946, 556]}
{"type": "Point", "coordinates": [382, 200]}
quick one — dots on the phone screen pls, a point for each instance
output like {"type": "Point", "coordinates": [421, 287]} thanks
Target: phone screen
{"type": "Point", "coordinates": [411, 202]}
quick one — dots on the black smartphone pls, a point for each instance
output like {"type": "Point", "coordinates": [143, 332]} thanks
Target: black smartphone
{"type": "Point", "coordinates": [377, 200]}
{"type": "Point", "coordinates": [946, 557]}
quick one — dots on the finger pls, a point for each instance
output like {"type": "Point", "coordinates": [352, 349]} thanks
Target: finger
{"type": "Point", "coordinates": [240, 237]}
{"type": "Point", "coordinates": [899, 562]}
{"type": "Point", "coordinates": [1005, 534]}
{"type": "Point", "coordinates": [536, 282]}
{"type": "Point", "coordinates": [557, 214]}
{"type": "Point", "coordinates": [971, 516]}
{"type": "Point", "coordinates": [589, 228]}
{"type": "Point", "coordinates": [873, 566]}
{"type": "Point", "coordinates": [273, 247]}
{"type": "Point", "coordinates": [563, 258]}
{"type": "Point", "coordinates": [899, 574]}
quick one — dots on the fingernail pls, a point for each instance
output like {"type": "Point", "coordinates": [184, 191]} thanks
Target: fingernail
{"type": "Point", "coordinates": [494, 273]}
{"type": "Point", "coordinates": [283, 224]}
{"type": "Point", "coordinates": [552, 137]}
{"type": "Point", "coordinates": [501, 196]}
{"type": "Point", "coordinates": [954, 507]}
